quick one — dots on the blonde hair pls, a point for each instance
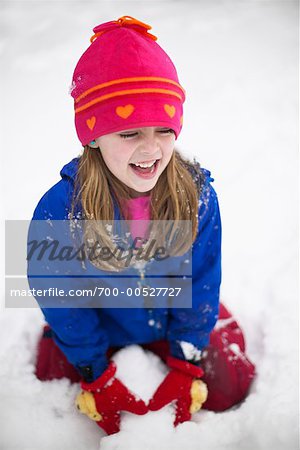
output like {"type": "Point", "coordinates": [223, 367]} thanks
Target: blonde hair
{"type": "Point", "coordinates": [175, 197]}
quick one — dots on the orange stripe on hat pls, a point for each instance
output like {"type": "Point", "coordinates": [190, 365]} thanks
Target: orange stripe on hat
{"type": "Point", "coordinates": [127, 92]}
{"type": "Point", "coordinates": [126, 80]}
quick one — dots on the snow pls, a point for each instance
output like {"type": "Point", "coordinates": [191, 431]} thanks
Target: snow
{"type": "Point", "coordinates": [237, 61]}
{"type": "Point", "coordinates": [190, 352]}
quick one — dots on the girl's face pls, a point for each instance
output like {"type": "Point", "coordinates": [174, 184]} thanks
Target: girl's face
{"type": "Point", "coordinates": [137, 157]}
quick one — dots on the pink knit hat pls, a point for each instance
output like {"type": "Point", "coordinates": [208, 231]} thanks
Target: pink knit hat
{"type": "Point", "coordinates": [125, 80]}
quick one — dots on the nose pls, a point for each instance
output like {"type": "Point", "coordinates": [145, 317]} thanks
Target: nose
{"type": "Point", "coordinates": [150, 145]}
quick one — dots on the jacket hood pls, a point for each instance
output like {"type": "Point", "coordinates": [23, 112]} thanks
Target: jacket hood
{"type": "Point", "coordinates": [69, 170]}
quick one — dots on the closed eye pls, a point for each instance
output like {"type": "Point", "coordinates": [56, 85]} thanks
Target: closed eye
{"type": "Point", "coordinates": [129, 135]}
{"type": "Point", "coordinates": [168, 131]}
{"type": "Point", "coordinates": [125, 136]}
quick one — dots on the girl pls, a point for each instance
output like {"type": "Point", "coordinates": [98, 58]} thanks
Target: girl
{"type": "Point", "coordinates": [128, 115]}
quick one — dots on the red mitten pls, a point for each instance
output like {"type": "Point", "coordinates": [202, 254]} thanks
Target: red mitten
{"type": "Point", "coordinates": [104, 399]}
{"type": "Point", "coordinates": [182, 385]}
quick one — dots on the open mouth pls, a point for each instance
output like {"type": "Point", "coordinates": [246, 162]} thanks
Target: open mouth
{"type": "Point", "coordinates": [145, 168]}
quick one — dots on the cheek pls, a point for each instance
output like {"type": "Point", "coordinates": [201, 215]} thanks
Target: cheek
{"type": "Point", "coordinates": [114, 153]}
{"type": "Point", "coordinates": [168, 152]}
{"type": "Point", "coordinates": [115, 165]}
{"type": "Point", "coordinates": [115, 161]}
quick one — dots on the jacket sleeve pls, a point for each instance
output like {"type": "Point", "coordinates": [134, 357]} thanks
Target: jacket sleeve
{"type": "Point", "coordinates": [76, 331]}
{"type": "Point", "coordinates": [189, 328]}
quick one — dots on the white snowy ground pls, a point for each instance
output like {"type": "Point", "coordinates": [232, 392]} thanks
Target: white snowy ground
{"type": "Point", "coordinates": [238, 62]}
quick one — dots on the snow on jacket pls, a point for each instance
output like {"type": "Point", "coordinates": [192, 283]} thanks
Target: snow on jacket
{"type": "Point", "coordinates": [84, 334]}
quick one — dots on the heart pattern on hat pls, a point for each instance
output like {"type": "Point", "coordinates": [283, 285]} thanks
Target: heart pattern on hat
{"type": "Point", "coordinates": [170, 110]}
{"type": "Point", "coordinates": [91, 122]}
{"type": "Point", "coordinates": [124, 111]}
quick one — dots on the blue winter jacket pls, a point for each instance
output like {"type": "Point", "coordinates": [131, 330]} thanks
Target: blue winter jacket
{"type": "Point", "coordinates": [85, 334]}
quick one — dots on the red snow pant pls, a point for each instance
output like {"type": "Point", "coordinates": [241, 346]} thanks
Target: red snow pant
{"type": "Point", "coordinates": [228, 372]}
